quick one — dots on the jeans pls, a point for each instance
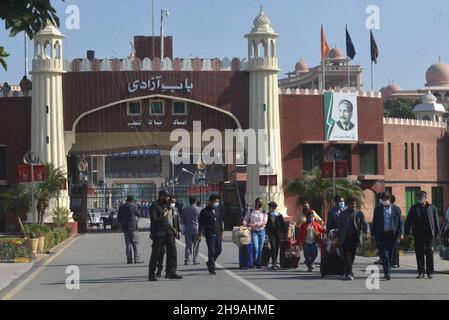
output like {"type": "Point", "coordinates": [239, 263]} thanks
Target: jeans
{"type": "Point", "coordinates": [258, 238]}
{"type": "Point", "coordinates": [310, 254]}
{"type": "Point", "coordinates": [192, 247]}
{"type": "Point", "coordinates": [132, 244]}
{"type": "Point", "coordinates": [386, 245]}
{"type": "Point", "coordinates": [214, 249]}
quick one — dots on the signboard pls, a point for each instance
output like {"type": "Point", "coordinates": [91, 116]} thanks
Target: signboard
{"type": "Point", "coordinates": [271, 180]}
{"type": "Point", "coordinates": [341, 169]}
{"type": "Point", "coordinates": [138, 153]}
{"type": "Point", "coordinates": [341, 117]}
{"type": "Point", "coordinates": [24, 173]}
{"type": "Point", "coordinates": [156, 84]}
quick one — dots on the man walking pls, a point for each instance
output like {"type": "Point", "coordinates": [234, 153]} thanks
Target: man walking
{"type": "Point", "coordinates": [211, 226]}
{"type": "Point", "coordinates": [190, 222]}
{"type": "Point", "coordinates": [387, 229]}
{"type": "Point", "coordinates": [334, 214]}
{"type": "Point", "coordinates": [128, 216]}
{"type": "Point", "coordinates": [163, 233]}
{"type": "Point", "coordinates": [423, 220]}
{"type": "Point", "coordinates": [350, 227]}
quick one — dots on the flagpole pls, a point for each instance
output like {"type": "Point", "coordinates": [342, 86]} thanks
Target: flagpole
{"type": "Point", "coordinates": [349, 75]}
{"type": "Point", "coordinates": [324, 75]}
{"type": "Point", "coordinates": [372, 76]}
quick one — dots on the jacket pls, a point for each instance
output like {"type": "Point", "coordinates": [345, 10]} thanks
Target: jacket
{"type": "Point", "coordinates": [159, 223]}
{"type": "Point", "coordinates": [278, 228]}
{"type": "Point", "coordinates": [316, 216]}
{"type": "Point", "coordinates": [397, 226]}
{"type": "Point", "coordinates": [412, 221]}
{"type": "Point", "coordinates": [211, 221]}
{"type": "Point", "coordinates": [128, 216]}
{"type": "Point", "coordinates": [344, 223]}
{"type": "Point", "coordinates": [190, 219]}
{"type": "Point", "coordinates": [319, 230]}
{"type": "Point", "coordinates": [332, 218]}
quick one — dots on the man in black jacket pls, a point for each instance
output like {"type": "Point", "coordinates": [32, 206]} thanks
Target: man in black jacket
{"type": "Point", "coordinates": [423, 220]}
{"type": "Point", "coordinates": [211, 226]}
{"type": "Point", "coordinates": [351, 224]}
{"type": "Point", "coordinates": [128, 216]}
{"type": "Point", "coordinates": [387, 229]}
{"type": "Point", "coordinates": [276, 230]}
{"type": "Point", "coordinates": [163, 233]}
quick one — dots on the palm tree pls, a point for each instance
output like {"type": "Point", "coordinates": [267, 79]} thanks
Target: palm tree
{"type": "Point", "coordinates": [51, 188]}
{"type": "Point", "coordinates": [316, 189]}
{"type": "Point", "coordinates": [18, 201]}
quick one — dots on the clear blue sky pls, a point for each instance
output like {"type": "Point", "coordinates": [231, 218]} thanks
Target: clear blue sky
{"type": "Point", "coordinates": [412, 36]}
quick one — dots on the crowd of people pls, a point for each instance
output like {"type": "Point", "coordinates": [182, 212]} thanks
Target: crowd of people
{"type": "Point", "coordinates": [344, 221]}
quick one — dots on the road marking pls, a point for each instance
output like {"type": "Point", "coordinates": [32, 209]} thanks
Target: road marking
{"type": "Point", "coordinates": [246, 283]}
{"type": "Point", "coordinates": [11, 294]}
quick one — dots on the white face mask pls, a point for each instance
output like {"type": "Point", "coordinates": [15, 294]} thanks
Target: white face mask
{"type": "Point", "coordinates": [172, 205]}
{"type": "Point", "coordinates": [385, 203]}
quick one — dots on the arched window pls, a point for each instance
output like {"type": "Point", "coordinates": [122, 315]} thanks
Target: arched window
{"type": "Point", "coordinates": [57, 50]}
{"type": "Point", "coordinates": [273, 49]}
{"type": "Point", "coordinates": [426, 118]}
{"type": "Point", "coordinates": [48, 50]}
{"type": "Point", "coordinates": [260, 49]}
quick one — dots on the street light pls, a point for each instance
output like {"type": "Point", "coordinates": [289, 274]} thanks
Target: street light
{"type": "Point", "coordinates": [165, 13]}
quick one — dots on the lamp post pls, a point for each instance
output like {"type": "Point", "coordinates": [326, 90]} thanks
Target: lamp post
{"type": "Point", "coordinates": [165, 13]}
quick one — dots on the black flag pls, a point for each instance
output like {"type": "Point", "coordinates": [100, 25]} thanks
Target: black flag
{"type": "Point", "coordinates": [374, 49]}
{"type": "Point", "coordinates": [350, 50]}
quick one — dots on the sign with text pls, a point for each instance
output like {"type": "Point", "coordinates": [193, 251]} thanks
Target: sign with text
{"type": "Point", "coordinates": [24, 173]}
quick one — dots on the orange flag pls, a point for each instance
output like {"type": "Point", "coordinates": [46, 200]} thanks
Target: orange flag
{"type": "Point", "coordinates": [324, 46]}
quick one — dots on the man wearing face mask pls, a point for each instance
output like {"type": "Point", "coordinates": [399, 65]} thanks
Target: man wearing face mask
{"type": "Point", "coordinates": [334, 214]}
{"type": "Point", "coordinates": [211, 226]}
{"type": "Point", "coordinates": [351, 225]}
{"type": "Point", "coordinates": [163, 226]}
{"type": "Point", "coordinates": [276, 231]}
{"type": "Point", "coordinates": [423, 220]}
{"type": "Point", "coordinates": [387, 229]}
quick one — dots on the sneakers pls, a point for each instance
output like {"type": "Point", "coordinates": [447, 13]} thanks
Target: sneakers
{"type": "Point", "coordinates": [348, 277]}
{"type": "Point", "coordinates": [420, 276]}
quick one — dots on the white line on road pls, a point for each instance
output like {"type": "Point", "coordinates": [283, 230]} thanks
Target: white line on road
{"type": "Point", "coordinates": [246, 283]}
{"type": "Point", "coordinates": [11, 294]}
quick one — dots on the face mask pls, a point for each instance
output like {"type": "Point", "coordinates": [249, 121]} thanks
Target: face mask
{"type": "Point", "coordinates": [341, 205]}
{"type": "Point", "coordinates": [215, 205]}
{"type": "Point", "coordinates": [172, 205]}
{"type": "Point", "coordinates": [421, 201]}
{"type": "Point", "coordinates": [385, 203]}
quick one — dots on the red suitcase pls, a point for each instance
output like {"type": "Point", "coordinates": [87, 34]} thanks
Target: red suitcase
{"type": "Point", "coordinates": [290, 254]}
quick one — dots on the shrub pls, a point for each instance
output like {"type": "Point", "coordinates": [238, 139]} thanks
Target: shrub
{"type": "Point", "coordinates": [12, 248]}
{"type": "Point", "coordinates": [55, 237]}
{"type": "Point", "coordinates": [61, 216]}
{"type": "Point", "coordinates": [368, 249]}
{"type": "Point", "coordinates": [36, 230]}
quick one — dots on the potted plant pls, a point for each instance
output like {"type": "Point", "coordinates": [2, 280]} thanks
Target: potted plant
{"type": "Point", "coordinates": [35, 231]}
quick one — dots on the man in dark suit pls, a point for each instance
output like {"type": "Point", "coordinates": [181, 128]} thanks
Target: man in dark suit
{"type": "Point", "coordinates": [387, 228]}
{"type": "Point", "coordinates": [128, 216]}
{"type": "Point", "coordinates": [345, 112]}
{"type": "Point", "coordinates": [423, 220]}
{"type": "Point", "coordinates": [164, 231]}
{"type": "Point", "coordinates": [276, 230]}
{"type": "Point", "coordinates": [211, 226]}
{"type": "Point", "coordinates": [351, 224]}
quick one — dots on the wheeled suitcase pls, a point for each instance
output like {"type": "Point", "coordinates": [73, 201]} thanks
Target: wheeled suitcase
{"type": "Point", "coordinates": [266, 253]}
{"type": "Point", "coordinates": [331, 262]}
{"type": "Point", "coordinates": [290, 254]}
{"type": "Point", "coordinates": [246, 256]}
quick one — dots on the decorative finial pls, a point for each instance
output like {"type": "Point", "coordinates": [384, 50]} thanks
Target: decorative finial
{"type": "Point", "coordinates": [261, 8]}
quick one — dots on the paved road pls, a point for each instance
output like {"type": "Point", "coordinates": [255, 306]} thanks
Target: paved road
{"type": "Point", "coordinates": [100, 257]}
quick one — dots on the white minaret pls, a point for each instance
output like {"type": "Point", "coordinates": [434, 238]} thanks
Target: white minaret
{"type": "Point", "coordinates": [264, 111]}
{"type": "Point", "coordinates": [47, 125]}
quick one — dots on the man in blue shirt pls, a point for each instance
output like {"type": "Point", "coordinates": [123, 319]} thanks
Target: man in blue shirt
{"type": "Point", "coordinates": [387, 229]}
